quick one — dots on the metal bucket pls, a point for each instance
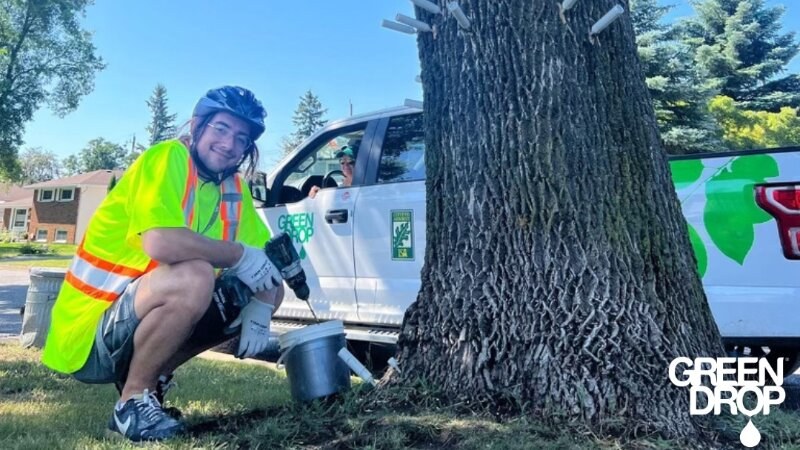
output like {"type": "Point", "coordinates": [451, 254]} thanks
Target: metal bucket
{"type": "Point", "coordinates": [311, 358]}
{"type": "Point", "coordinates": [42, 292]}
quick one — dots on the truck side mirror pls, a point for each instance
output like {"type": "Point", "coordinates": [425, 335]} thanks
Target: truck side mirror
{"type": "Point", "coordinates": [258, 187]}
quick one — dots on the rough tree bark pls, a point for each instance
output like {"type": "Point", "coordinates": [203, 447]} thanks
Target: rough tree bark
{"type": "Point", "coordinates": [558, 269]}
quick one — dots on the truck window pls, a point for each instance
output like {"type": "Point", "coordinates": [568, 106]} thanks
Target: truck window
{"type": "Point", "coordinates": [403, 153]}
{"type": "Point", "coordinates": [320, 166]}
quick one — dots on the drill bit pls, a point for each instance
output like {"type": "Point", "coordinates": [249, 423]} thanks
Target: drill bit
{"type": "Point", "coordinates": [308, 302]}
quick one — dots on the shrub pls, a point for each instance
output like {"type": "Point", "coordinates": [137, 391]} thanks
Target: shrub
{"type": "Point", "coordinates": [30, 249]}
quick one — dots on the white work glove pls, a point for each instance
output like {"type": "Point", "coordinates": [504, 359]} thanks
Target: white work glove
{"type": "Point", "coordinates": [256, 270]}
{"type": "Point", "coordinates": [254, 319]}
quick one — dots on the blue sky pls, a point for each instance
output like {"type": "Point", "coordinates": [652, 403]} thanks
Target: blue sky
{"type": "Point", "coordinates": [336, 48]}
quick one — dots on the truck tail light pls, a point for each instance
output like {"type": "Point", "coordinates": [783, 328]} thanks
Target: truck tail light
{"type": "Point", "coordinates": [782, 201]}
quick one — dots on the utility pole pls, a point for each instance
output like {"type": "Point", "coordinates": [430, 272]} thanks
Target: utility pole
{"type": "Point", "coordinates": [133, 143]}
{"type": "Point", "coordinates": [351, 106]}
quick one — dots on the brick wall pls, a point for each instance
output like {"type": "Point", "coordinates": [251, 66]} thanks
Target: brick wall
{"type": "Point", "coordinates": [53, 216]}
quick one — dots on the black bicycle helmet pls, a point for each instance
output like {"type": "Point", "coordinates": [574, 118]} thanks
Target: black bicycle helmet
{"type": "Point", "coordinates": [235, 100]}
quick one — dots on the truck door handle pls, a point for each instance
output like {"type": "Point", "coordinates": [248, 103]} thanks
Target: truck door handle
{"type": "Point", "coordinates": [336, 216]}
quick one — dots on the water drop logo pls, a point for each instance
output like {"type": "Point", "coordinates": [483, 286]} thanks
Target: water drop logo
{"type": "Point", "coordinates": [746, 385]}
{"type": "Point", "coordinates": [750, 436]}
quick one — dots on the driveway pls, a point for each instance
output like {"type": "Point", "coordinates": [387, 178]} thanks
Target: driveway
{"type": "Point", "coordinates": [13, 289]}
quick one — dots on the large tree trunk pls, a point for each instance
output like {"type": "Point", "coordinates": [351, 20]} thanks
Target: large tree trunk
{"type": "Point", "coordinates": [558, 269]}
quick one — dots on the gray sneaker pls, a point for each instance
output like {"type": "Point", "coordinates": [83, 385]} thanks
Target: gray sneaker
{"type": "Point", "coordinates": [142, 419]}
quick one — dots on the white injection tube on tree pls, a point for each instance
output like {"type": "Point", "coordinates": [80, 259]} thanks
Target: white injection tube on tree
{"type": "Point", "coordinates": [456, 11]}
{"type": "Point", "coordinates": [418, 24]}
{"type": "Point", "coordinates": [606, 20]}
{"type": "Point", "coordinates": [566, 5]}
{"type": "Point", "coordinates": [398, 27]}
{"type": "Point", "coordinates": [427, 6]}
{"type": "Point", "coordinates": [356, 366]}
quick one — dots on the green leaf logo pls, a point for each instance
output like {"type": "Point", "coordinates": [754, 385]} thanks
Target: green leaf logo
{"type": "Point", "coordinates": [731, 211]}
{"type": "Point", "coordinates": [685, 172]}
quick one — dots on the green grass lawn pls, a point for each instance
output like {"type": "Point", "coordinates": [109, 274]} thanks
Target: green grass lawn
{"type": "Point", "coordinates": [59, 257]}
{"type": "Point", "coordinates": [230, 405]}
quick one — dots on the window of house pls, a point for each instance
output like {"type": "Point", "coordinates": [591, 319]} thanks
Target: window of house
{"type": "Point", "coordinates": [61, 236]}
{"type": "Point", "coordinates": [66, 195]}
{"type": "Point", "coordinates": [41, 235]}
{"type": "Point", "coordinates": [47, 195]}
{"type": "Point", "coordinates": [403, 155]}
{"type": "Point", "coordinates": [20, 218]}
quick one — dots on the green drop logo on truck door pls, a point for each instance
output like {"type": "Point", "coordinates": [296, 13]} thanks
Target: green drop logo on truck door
{"type": "Point", "coordinates": [730, 213]}
{"type": "Point", "coordinates": [402, 224]}
{"type": "Point", "coordinates": [299, 227]}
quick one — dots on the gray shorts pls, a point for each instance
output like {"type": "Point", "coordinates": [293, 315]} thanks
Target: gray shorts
{"type": "Point", "coordinates": [112, 351]}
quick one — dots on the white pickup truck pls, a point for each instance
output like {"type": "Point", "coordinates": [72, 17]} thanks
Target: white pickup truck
{"type": "Point", "coordinates": [363, 245]}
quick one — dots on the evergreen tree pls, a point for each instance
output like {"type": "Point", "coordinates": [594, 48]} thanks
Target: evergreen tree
{"type": "Point", "coordinates": [162, 124]}
{"type": "Point", "coordinates": [739, 46]}
{"type": "Point", "coordinates": [308, 116]}
{"type": "Point", "coordinates": [112, 182]}
{"type": "Point", "coordinates": [680, 97]}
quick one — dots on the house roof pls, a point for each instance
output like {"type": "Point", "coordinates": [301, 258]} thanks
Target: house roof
{"type": "Point", "coordinates": [19, 203]}
{"type": "Point", "coordinates": [96, 178]}
{"type": "Point", "coordinates": [12, 193]}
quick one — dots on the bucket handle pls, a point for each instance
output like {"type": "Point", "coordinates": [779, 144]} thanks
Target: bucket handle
{"type": "Point", "coordinates": [279, 364]}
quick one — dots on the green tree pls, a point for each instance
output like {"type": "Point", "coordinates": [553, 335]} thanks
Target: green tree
{"type": "Point", "coordinates": [738, 44]}
{"type": "Point", "coordinates": [46, 57]}
{"type": "Point", "coordinates": [38, 165]}
{"type": "Point", "coordinates": [680, 97]}
{"type": "Point", "coordinates": [111, 183]}
{"type": "Point", "coordinates": [745, 129]}
{"type": "Point", "coordinates": [549, 285]}
{"type": "Point", "coordinates": [162, 123]}
{"type": "Point", "coordinates": [101, 154]}
{"type": "Point", "coordinates": [308, 116]}
{"type": "Point", "coordinates": [71, 165]}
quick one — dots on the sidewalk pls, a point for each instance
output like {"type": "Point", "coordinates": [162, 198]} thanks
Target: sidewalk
{"type": "Point", "coordinates": [13, 289]}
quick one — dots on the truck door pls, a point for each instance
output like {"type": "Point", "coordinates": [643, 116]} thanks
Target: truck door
{"type": "Point", "coordinates": [321, 227]}
{"type": "Point", "coordinates": [390, 219]}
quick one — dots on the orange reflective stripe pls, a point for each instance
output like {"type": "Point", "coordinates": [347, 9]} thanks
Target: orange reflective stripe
{"type": "Point", "coordinates": [107, 265]}
{"type": "Point", "coordinates": [188, 195]}
{"type": "Point", "coordinates": [89, 290]}
{"type": "Point", "coordinates": [152, 265]}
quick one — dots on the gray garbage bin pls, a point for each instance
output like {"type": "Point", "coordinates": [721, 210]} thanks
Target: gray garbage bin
{"type": "Point", "coordinates": [42, 292]}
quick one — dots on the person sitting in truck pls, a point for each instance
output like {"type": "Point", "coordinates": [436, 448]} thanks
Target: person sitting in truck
{"type": "Point", "coordinates": [347, 162]}
{"type": "Point", "coordinates": [141, 296]}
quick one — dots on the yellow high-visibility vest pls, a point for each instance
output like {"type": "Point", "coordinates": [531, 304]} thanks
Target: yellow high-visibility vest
{"type": "Point", "coordinates": [160, 190]}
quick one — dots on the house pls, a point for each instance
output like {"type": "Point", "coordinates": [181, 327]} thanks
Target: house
{"type": "Point", "coordinates": [15, 211]}
{"type": "Point", "coordinates": [61, 208]}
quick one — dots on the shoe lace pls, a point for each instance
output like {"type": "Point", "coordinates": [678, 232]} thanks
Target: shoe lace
{"type": "Point", "coordinates": [150, 407]}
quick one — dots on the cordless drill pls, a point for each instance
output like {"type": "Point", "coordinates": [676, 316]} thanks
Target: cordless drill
{"type": "Point", "coordinates": [231, 292]}
{"type": "Point", "coordinates": [282, 253]}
